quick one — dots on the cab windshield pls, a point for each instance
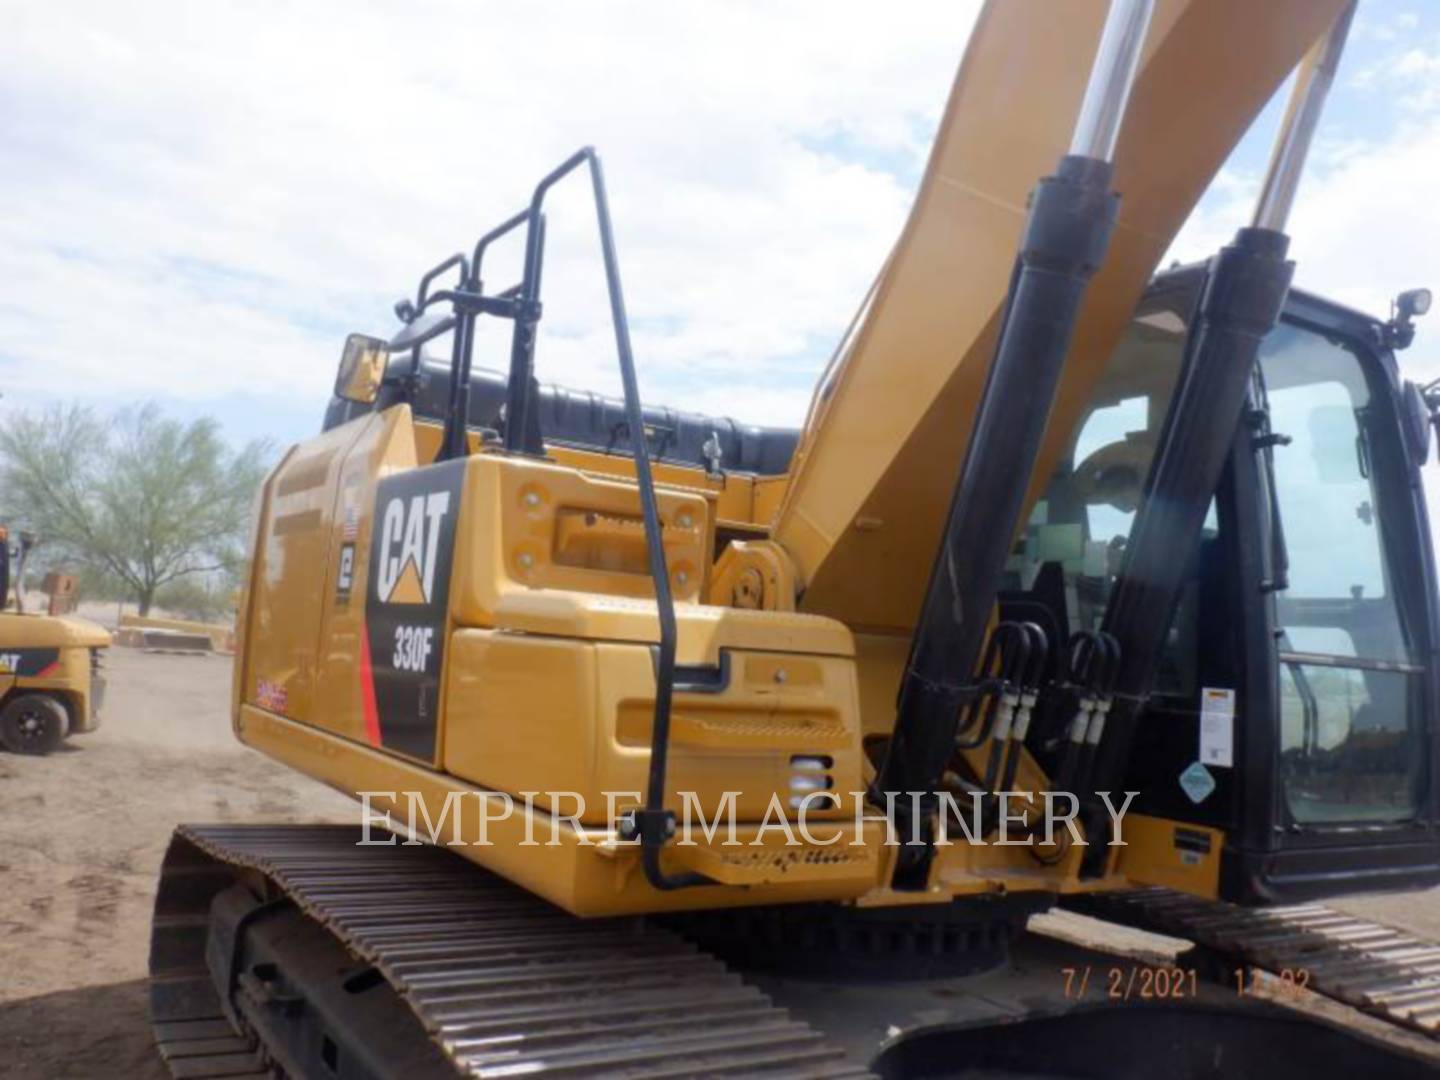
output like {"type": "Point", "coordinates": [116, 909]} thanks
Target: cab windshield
{"type": "Point", "coordinates": [1075, 540]}
{"type": "Point", "coordinates": [1350, 729]}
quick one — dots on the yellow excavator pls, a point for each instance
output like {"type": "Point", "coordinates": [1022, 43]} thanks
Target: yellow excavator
{"type": "Point", "coordinates": [747, 751]}
{"type": "Point", "coordinates": [51, 668]}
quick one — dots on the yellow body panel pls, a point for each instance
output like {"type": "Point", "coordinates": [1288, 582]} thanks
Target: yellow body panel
{"type": "Point", "coordinates": [1171, 854]}
{"type": "Point", "coordinates": [536, 527]}
{"type": "Point", "coordinates": [738, 501]}
{"type": "Point", "coordinates": [512, 579]}
{"type": "Point", "coordinates": [547, 855]}
{"type": "Point", "coordinates": [19, 631]}
{"type": "Point", "coordinates": [520, 692]}
{"type": "Point", "coordinates": [294, 559]}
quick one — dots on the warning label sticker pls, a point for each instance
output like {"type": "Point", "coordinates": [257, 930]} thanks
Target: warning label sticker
{"type": "Point", "coordinates": [1217, 726]}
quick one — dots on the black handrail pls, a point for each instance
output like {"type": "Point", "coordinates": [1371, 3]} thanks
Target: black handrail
{"type": "Point", "coordinates": [653, 824]}
{"type": "Point", "coordinates": [430, 275]}
{"type": "Point", "coordinates": [489, 238]}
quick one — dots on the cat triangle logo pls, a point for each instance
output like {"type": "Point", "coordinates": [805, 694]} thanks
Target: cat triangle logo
{"type": "Point", "coordinates": [409, 543]}
{"type": "Point", "coordinates": [408, 589]}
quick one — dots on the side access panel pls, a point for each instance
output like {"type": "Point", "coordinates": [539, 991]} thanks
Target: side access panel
{"type": "Point", "coordinates": [302, 646]}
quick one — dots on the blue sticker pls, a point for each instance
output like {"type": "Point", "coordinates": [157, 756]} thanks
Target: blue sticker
{"type": "Point", "coordinates": [1197, 783]}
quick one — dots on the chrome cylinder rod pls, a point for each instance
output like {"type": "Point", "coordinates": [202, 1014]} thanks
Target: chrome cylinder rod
{"type": "Point", "coordinates": [1113, 74]}
{"type": "Point", "coordinates": [1297, 130]}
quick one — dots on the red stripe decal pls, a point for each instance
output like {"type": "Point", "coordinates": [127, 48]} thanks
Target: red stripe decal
{"type": "Point", "coordinates": [367, 692]}
{"type": "Point", "coordinates": [48, 670]}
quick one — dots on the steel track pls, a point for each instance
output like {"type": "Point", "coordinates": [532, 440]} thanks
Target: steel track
{"type": "Point", "coordinates": [503, 982]}
{"type": "Point", "coordinates": [1377, 969]}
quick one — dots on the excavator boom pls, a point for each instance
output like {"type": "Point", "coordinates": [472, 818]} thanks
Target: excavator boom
{"type": "Point", "coordinates": [877, 462]}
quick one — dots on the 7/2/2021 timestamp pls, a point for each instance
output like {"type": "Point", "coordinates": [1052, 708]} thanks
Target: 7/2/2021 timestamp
{"type": "Point", "coordinates": [1142, 982]}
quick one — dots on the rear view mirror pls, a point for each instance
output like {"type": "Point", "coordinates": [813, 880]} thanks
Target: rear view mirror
{"type": "Point", "coordinates": [362, 369]}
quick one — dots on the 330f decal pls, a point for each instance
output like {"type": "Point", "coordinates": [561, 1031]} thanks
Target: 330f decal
{"type": "Point", "coordinates": [413, 645]}
{"type": "Point", "coordinates": [405, 603]}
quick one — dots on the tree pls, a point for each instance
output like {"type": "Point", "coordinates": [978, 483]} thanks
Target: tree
{"type": "Point", "coordinates": [140, 498]}
{"type": "Point", "coordinates": [204, 600]}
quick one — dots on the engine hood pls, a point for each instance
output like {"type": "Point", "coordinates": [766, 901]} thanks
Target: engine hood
{"type": "Point", "coordinates": [51, 631]}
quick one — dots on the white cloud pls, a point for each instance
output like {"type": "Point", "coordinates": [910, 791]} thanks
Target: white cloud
{"type": "Point", "coordinates": [202, 198]}
{"type": "Point", "coordinates": [1366, 222]}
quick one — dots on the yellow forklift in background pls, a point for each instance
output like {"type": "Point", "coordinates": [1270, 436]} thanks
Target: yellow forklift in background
{"type": "Point", "coordinates": [682, 700]}
{"type": "Point", "coordinates": [51, 681]}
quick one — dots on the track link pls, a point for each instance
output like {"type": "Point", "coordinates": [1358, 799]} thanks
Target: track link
{"type": "Point", "coordinates": [1377, 969]}
{"type": "Point", "coordinates": [504, 983]}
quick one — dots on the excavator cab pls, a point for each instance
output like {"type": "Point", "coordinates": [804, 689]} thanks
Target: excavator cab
{"type": "Point", "coordinates": [1293, 707]}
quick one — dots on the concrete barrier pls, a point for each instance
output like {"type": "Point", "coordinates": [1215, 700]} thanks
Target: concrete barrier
{"type": "Point", "coordinates": [147, 632]}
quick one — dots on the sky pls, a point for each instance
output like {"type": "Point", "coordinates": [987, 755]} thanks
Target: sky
{"type": "Point", "coordinates": [203, 199]}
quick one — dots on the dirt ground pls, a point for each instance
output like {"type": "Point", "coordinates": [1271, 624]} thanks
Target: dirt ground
{"type": "Point", "coordinates": [82, 833]}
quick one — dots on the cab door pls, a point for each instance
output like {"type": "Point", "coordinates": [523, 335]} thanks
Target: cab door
{"type": "Point", "coordinates": [1341, 761]}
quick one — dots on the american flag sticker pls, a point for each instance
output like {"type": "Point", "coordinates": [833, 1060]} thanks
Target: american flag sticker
{"type": "Point", "coordinates": [351, 529]}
